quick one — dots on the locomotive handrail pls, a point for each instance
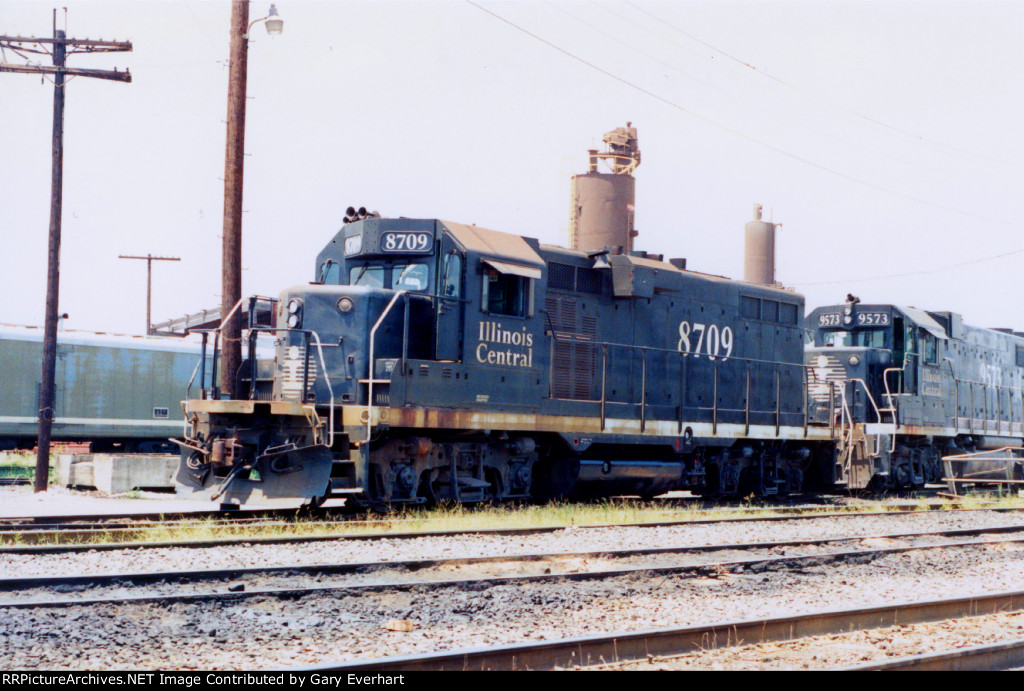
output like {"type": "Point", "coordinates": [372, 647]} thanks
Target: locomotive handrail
{"type": "Point", "coordinates": [273, 329]}
{"type": "Point", "coordinates": [305, 368]}
{"type": "Point", "coordinates": [560, 336]}
{"type": "Point", "coordinates": [199, 365]}
{"type": "Point", "coordinates": [776, 411]}
{"type": "Point", "coordinates": [878, 413]}
{"type": "Point", "coordinates": [369, 375]}
{"type": "Point", "coordinates": [888, 393]}
{"type": "Point", "coordinates": [970, 418]}
{"type": "Point", "coordinates": [871, 399]}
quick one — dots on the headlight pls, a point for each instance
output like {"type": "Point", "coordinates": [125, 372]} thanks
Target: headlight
{"type": "Point", "coordinates": [346, 305]}
{"type": "Point", "coordinates": [293, 321]}
{"type": "Point", "coordinates": [294, 305]}
{"type": "Point", "coordinates": [854, 360]}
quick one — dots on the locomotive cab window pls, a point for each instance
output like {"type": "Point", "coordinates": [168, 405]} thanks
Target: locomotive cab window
{"type": "Point", "coordinates": [413, 277]}
{"type": "Point", "coordinates": [371, 276]}
{"type": "Point", "coordinates": [929, 348]}
{"type": "Point", "coordinates": [507, 289]}
{"type": "Point", "coordinates": [330, 273]}
{"type": "Point", "coordinates": [451, 281]}
{"type": "Point", "coordinates": [867, 338]}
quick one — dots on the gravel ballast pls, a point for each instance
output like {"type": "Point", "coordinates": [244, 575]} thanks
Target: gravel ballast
{"type": "Point", "coordinates": [150, 559]}
{"type": "Point", "coordinates": [264, 632]}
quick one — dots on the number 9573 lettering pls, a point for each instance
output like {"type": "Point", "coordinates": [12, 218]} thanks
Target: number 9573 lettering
{"type": "Point", "coordinates": [709, 339]}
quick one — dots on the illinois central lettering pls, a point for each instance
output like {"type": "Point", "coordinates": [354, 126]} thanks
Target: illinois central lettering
{"type": "Point", "coordinates": [500, 346]}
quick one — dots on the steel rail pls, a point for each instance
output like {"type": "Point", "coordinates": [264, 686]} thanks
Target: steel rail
{"type": "Point", "coordinates": [756, 564]}
{"type": "Point", "coordinates": [96, 580]}
{"type": "Point", "coordinates": [241, 514]}
{"type": "Point", "coordinates": [639, 645]}
{"type": "Point", "coordinates": [39, 536]}
{"type": "Point", "coordinates": [987, 657]}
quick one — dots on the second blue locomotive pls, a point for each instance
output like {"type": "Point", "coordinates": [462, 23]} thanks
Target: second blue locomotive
{"type": "Point", "coordinates": [905, 388]}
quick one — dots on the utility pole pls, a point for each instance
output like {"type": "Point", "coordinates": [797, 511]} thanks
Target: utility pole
{"type": "Point", "coordinates": [231, 279]}
{"type": "Point", "coordinates": [59, 47]}
{"type": "Point", "coordinates": [149, 284]}
{"type": "Point", "coordinates": [231, 257]}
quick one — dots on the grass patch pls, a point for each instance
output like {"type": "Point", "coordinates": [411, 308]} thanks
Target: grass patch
{"type": "Point", "coordinates": [469, 518]}
{"type": "Point", "coordinates": [22, 464]}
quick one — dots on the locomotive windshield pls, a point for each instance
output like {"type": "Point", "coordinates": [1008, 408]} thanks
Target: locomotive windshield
{"type": "Point", "coordinates": [869, 338]}
{"type": "Point", "coordinates": [414, 276]}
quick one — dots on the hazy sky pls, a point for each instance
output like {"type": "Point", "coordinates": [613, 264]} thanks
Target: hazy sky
{"type": "Point", "coordinates": [884, 136]}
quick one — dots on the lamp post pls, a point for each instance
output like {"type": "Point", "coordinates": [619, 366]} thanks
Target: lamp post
{"type": "Point", "coordinates": [231, 280]}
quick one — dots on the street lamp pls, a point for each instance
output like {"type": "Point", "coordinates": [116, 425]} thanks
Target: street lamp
{"type": "Point", "coordinates": [274, 23]}
{"type": "Point", "coordinates": [231, 278]}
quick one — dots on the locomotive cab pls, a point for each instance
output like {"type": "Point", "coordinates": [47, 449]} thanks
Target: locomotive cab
{"type": "Point", "coordinates": [384, 325]}
{"type": "Point", "coordinates": [877, 360]}
{"type": "Point", "coordinates": [882, 375]}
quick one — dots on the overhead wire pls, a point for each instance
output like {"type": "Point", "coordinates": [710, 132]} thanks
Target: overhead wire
{"type": "Point", "coordinates": [915, 137]}
{"type": "Point", "coordinates": [776, 149]}
{"type": "Point", "coordinates": [737, 133]}
{"type": "Point", "coordinates": [758, 104]}
{"type": "Point", "coordinates": [913, 273]}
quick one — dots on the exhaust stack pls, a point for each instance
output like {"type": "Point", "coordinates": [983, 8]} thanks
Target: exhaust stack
{"type": "Point", "coordinates": [602, 204]}
{"type": "Point", "coordinates": [759, 254]}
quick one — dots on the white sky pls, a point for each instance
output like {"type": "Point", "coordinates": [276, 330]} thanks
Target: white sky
{"type": "Point", "coordinates": [884, 136]}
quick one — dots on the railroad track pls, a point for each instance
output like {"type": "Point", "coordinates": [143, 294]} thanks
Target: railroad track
{"type": "Point", "coordinates": [630, 646]}
{"type": "Point", "coordinates": [281, 581]}
{"type": "Point", "coordinates": [1005, 655]}
{"type": "Point", "coordinates": [51, 538]}
{"type": "Point", "coordinates": [128, 520]}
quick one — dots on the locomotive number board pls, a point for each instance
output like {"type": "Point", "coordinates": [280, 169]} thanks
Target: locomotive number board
{"type": "Point", "coordinates": [872, 319]}
{"type": "Point", "coordinates": [406, 241]}
{"type": "Point", "coordinates": [862, 319]}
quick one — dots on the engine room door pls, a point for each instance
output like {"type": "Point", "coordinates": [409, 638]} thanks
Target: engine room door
{"type": "Point", "coordinates": [448, 310]}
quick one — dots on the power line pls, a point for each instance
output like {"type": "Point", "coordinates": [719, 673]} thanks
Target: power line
{"type": "Point", "coordinates": [60, 44]}
{"type": "Point", "coordinates": [737, 133]}
{"type": "Point", "coordinates": [915, 137]}
{"type": "Point", "coordinates": [919, 272]}
{"type": "Point", "coordinates": [759, 105]}
{"type": "Point", "coordinates": [149, 283]}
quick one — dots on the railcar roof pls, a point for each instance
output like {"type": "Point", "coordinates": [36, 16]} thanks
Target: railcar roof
{"type": "Point", "coordinates": [14, 332]}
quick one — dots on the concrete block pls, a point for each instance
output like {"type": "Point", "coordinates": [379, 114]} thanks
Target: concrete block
{"type": "Point", "coordinates": [118, 473]}
{"type": "Point", "coordinates": [64, 461]}
{"type": "Point", "coordinates": [74, 470]}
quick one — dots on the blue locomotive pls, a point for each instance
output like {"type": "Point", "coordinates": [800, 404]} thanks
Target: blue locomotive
{"type": "Point", "coordinates": [903, 388]}
{"type": "Point", "coordinates": [433, 360]}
